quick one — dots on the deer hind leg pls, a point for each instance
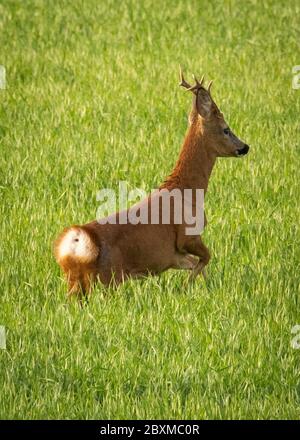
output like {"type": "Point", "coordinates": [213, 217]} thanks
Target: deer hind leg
{"type": "Point", "coordinates": [79, 287]}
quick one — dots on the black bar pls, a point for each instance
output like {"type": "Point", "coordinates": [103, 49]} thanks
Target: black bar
{"type": "Point", "coordinates": [94, 429]}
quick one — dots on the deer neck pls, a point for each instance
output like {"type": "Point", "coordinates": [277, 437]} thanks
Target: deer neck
{"type": "Point", "coordinates": [195, 163]}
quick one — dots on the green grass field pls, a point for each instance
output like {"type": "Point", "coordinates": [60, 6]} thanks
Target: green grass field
{"type": "Point", "coordinates": [92, 98]}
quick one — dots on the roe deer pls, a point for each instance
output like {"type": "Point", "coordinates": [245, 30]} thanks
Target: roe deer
{"type": "Point", "coordinates": [111, 253]}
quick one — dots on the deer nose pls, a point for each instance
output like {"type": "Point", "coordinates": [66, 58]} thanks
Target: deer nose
{"type": "Point", "coordinates": [243, 151]}
{"type": "Point", "coordinates": [246, 148]}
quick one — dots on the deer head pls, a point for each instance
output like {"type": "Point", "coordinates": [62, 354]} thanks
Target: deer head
{"type": "Point", "coordinates": [219, 137]}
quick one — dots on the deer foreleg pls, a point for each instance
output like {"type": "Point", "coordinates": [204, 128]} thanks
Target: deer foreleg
{"type": "Point", "coordinates": [196, 247]}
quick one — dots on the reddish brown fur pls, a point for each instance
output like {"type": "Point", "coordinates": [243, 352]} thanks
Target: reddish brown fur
{"type": "Point", "coordinates": [138, 250]}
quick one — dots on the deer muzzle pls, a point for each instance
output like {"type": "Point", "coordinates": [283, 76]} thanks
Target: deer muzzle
{"type": "Point", "coordinates": [242, 151]}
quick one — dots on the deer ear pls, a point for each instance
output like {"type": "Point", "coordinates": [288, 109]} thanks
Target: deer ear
{"type": "Point", "coordinates": [204, 103]}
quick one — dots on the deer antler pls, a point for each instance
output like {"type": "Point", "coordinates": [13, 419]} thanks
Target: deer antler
{"type": "Point", "coordinates": [187, 86]}
{"type": "Point", "coordinates": [199, 84]}
{"type": "Point", "coordinates": [183, 82]}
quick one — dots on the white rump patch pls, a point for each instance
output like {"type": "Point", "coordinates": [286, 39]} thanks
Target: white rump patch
{"type": "Point", "coordinates": [77, 243]}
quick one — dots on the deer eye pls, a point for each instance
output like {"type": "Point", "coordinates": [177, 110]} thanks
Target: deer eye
{"type": "Point", "coordinates": [226, 130]}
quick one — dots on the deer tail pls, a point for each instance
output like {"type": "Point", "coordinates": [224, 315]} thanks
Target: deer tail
{"type": "Point", "coordinates": [75, 251]}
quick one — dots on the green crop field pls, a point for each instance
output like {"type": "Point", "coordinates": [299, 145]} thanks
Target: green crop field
{"type": "Point", "coordinates": [91, 99]}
